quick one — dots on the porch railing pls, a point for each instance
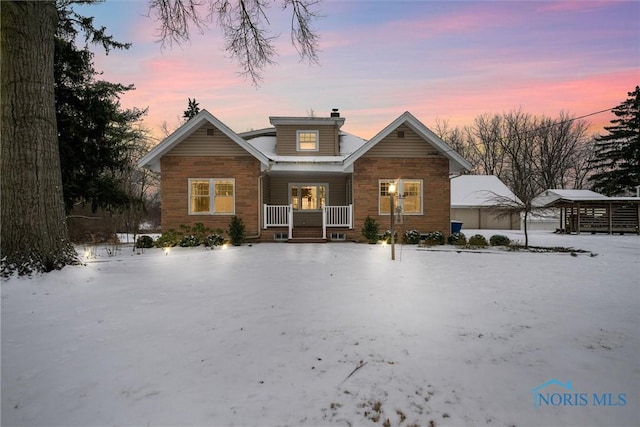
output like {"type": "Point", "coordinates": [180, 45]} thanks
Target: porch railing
{"type": "Point", "coordinates": [336, 216]}
{"type": "Point", "coordinates": [332, 216]}
{"type": "Point", "coordinates": [276, 215]}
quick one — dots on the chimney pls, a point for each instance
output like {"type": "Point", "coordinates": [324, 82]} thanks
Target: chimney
{"type": "Point", "coordinates": [335, 112]}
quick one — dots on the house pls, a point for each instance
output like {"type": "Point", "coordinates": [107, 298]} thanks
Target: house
{"type": "Point", "coordinates": [473, 199]}
{"type": "Point", "coordinates": [587, 211]}
{"type": "Point", "coordinates": [304, 177]}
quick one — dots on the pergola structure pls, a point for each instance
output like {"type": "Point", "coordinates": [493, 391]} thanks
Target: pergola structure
{"type": "Point", "coordinates": [587, 211]}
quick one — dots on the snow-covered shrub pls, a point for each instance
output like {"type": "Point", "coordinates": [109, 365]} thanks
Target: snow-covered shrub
{"type": "Point", "coordinates": [213, 240]}
{"type": "Point", "coordinates": [457, 239]}
{"type": "Point", "coordinates": [386, 237]}
{"type": "Point", "coordinates": [411, 237]}
{"type": "Point", "coordinates": [499, 240]}
{"type": "Point", "coordinates": [189, 241]}
{"type": "Point", "coordinates": [144, 242]}
{"type": "Point", "coordinates": [434, 238]}
{"type": "Point", "coordinates": [478, 240]}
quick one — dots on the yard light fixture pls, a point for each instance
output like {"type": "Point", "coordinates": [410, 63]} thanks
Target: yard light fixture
{"type": "Point", "coordinates": [392, 193]}
{"type": "Point", "coordinates": [166, 251]}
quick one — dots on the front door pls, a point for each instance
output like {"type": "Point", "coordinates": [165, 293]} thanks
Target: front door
{"type": "Point", "coordinates": [307, 201]}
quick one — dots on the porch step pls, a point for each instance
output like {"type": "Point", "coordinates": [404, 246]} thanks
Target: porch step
{"type": "Point", "coordinates": [307, 240]}
{"type": "Point", "coordinates": [307, 232]}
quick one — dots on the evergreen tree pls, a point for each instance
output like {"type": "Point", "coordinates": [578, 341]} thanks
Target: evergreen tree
{"type": "Point", "coordinates": [95, 134]}
{"type": "Point", "coordinates": [617, 156]}
{"type": "Point", "coordinates": [192, 110]}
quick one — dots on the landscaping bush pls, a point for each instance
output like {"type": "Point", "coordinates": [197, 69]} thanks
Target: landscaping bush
{"type": "Point", "coordinates": [236, 231]}
{"type": "Point", "coordinates": [370, 229]}
{"type": "Point", "coordinates": [499, 240]}
{"type": "Point", "coordinates": [144, 242]}
{"type": "Point", "coordinates": [457, 239]}
{"type": "Point", "coordinates": [386, 237]}
{"type": "Point", "coordinates": [213, 240]}
{"type": "Point", "coordinates": [478, 240]}
{"type": "Point", "coordinates": [434, 238]}
{"type": "Point", "coordinates": [168, 239]}
{"type": "Point", "coordinates": [189, 241]}
{"type": "Point", "coordinates": [411, 237]}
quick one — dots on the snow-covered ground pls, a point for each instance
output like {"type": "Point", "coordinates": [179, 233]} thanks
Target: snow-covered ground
{"type": "Point", "coordinates": [329, 334]}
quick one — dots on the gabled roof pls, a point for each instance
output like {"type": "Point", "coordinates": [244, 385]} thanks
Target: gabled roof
{"type": "Point", "coordinates": [151, 160]}
{"type": "Point", "coordinates": [456, 162]}
{"type": "Point", "coordinates": [476, 191]}
{"type": "Point", "coordinates": [261, 144]}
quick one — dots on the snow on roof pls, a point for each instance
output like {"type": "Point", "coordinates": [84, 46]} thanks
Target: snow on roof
{"type": "Point", "coordinates": [468, 191]}
{"type": "Point", "coordinates": [552, 195]}
{"type": "Point", "coordinates": [267, 146]}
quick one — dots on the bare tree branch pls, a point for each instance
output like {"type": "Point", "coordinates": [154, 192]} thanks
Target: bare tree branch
{"type": "Point", "coordinates": [244, 24]}
{"type": "Point", "coordinates": [175, 18]}
{"type": "Point", "coordinates": [303, 37]}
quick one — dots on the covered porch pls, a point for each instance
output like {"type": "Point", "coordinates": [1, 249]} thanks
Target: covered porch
{"type": "Point", "coordinates": [306, 207]}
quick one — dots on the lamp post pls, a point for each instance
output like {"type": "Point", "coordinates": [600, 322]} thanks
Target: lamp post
{"type": "Point", "coordinates": [392, 191]}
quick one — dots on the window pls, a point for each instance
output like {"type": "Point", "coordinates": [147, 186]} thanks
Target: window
{"type": "Point", "coordinates": [308, 196]}
{"type": "Point", "coordinates": [307, 140]}
{"type": "Point", "coordinates": [211, 196]}
{"type": "Point", "coordinates": [408, 197]}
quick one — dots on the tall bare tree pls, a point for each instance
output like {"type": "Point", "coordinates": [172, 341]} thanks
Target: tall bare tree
{"type": "Point", "coordinates": [34, 233]}
{"type": "Point", "coordinates": [580, 164]}
{"type": "Point", "coordinates": [558, 142]}
{"type": "Point", "coordinates": [486, 137]}
{"type": "Point", "coordinates": [245, 25]}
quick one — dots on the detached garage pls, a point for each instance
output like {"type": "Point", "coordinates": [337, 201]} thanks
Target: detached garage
{"type": "Point", "coordinates": [473, 196]}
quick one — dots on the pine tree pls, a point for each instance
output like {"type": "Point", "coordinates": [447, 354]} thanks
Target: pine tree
{"type": "Point", "coordinates": [617, 157]}
{"type": "Point", "coordinates": [95, 134]}
{"type": "Point", "coordinates": [192, 110]}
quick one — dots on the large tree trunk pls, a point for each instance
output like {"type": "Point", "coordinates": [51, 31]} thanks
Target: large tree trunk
{"type": "Point", "coordinates": [34, 234]}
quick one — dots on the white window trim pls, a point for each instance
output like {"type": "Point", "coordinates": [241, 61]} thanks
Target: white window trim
{"type": "Point", "coordinates": [400, 200]}
{"type": "Point", "coordinates": [309, 184]}
{"type": "Point", "coordinates": [212, 195]}
{"type": "Point", "coordinates": [307, 131]}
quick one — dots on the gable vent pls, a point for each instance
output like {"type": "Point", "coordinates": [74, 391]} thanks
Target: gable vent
{"type": "Point", "coordinates": [210, 131]}
{"type": "Point", "coordinates": [400, 134]}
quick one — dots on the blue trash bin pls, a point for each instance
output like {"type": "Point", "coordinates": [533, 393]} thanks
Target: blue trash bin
{"type": "Point", "coordinates": [456, 226]}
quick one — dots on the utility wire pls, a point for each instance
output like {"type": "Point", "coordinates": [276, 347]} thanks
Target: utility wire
{"type": "Point", "coordinates": [547, 126]}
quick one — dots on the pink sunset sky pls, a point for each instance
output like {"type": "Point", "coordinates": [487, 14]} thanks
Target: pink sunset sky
{"type": "Point", "coordinates": [448, 61]}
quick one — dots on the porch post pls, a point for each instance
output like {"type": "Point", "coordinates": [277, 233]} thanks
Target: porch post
{"type": "Point", "coordinates": [264, 216]}
{"type": "Point", "coordinates": [290, 221]}
{"type": "Point", "coordinates": [324, 222]}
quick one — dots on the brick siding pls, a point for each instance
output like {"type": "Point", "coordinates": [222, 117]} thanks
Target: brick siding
{"type": "Point", "coordinates": [436, 192]}
{"type": "Point", "coordinates": [176, 171]}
